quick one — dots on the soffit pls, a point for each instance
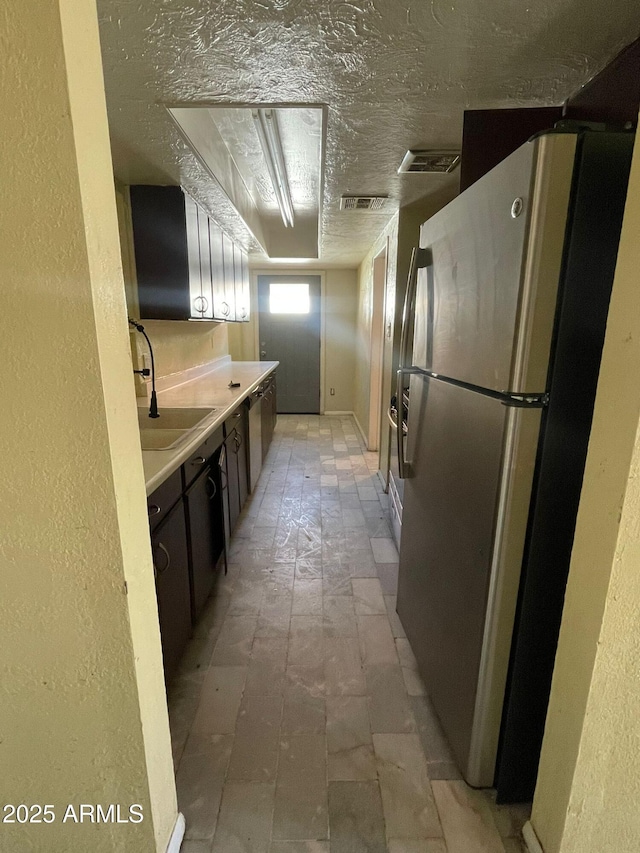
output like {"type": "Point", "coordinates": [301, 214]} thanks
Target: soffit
{"type": "Point", "coordinates": [394, 75]}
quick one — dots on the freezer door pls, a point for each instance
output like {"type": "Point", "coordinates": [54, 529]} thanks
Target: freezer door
{"type": "Point", "coordinates": [464, 522]}
{"type": "Point", "coordinates": [486, 304]}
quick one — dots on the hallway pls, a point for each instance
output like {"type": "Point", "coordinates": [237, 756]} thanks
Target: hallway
{"type": "Point", "coordinates": [299, 722]}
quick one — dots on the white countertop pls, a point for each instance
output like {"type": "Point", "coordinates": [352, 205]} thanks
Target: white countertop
{"type": "Point", "coordinates": [205, 386]}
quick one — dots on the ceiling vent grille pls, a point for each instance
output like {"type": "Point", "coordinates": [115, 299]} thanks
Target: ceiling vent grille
{"type": "Point", "coordinates": [363, 202]}
{"type": "Point", "coordinates": [429, 161]}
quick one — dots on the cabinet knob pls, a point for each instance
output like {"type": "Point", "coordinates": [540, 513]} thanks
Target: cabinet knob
{"type": "Point", "coordinates": [199, 460]}
{"type": "Point", "coordinates": [201, 304]}
{"type": "Point", "coordinates": [225, 308]}
{"type": "Point", "coordinates": [154, 509]}
{"type": "Point", "coordinates": [263, 353]}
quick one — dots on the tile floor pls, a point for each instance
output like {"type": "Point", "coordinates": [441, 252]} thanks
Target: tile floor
{"type": "Point", "coordinates": [299, 721]}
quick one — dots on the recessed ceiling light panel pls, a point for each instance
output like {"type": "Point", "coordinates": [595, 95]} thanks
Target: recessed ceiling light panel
{"type": "Point", "coordinates": [425, 161]}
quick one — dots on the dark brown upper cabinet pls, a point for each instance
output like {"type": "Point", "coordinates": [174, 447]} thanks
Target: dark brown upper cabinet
{"type": "Point", "coordinates": [187, 268]}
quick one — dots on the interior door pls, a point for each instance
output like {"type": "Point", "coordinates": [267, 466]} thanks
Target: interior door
{"type": "Point", "coordinates": [289, 330]}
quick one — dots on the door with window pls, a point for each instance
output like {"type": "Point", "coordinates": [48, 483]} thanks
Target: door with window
{"type": "Point", "coordinates": [289, 332]}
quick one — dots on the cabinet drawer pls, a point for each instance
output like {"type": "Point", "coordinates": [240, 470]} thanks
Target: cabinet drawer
{"type": "Point", "coordinates": [164, 498]}
{"type": "Point", "coordinates": [197, 462]}
{"type": "Point", "coordinates": [233, 421]}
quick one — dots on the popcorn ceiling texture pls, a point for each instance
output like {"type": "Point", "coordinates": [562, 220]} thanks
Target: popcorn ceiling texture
{"type": "Point", "coordinates": [395, 74]}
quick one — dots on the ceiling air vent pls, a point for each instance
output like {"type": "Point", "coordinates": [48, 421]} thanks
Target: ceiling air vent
{"type": "Point", "coordinates": [429, 161]}
{"type": "Point", "coordinates": [363, 202]}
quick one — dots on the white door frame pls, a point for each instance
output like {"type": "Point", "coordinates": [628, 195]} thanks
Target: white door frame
{"type": "Point", "coordinates": [376, 343]}
{"type": "Point", "coordinates": [256, 332]}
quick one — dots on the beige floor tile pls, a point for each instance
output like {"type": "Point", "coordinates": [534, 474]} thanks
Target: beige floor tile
{"type": "Point", "coordinates": [355, 817]}
{"type": "Point", "coordinates": [394, 620]}
{"type": "Point", "coordinates": [307, 597]}
{"type": "Point", "coordinates": [425, 845]}
{"type": "Point", "coordinates": [244, 823]}
{"type": "Point", "coordinates": [384, 550]}
{"type": "Point", "coordinates": [265, 674]}
{"type": "Point", "coordinates": [255, 749]}
{"type": "Point", "coordinates": [368, 597]}
{"type": "Point", "coordinates": [304, 707]}
{"type": "Point", "coordinates": [466, 818]}
{"type": "Point", "coordinates": [234, 643]}
{"type": "Point", "coordinates": [299, 847]}
{"type": "Point", "coordinates": [199, 783]}
{"type": "Point", "coordinates": [349, 745]}
{"type": "Point", "coordinates": [301, 792]}
{"type": "Point", "coordinates": [409, 807]}
{"type": "Point", "coordinates": [306, 641]}
{"type": "Point", "coordinates": [220, 700]}
{"type": "Point", "coordinates": [275, 616]}
{"type": "Point", "coordinates": [339, 616]}
{"type": "Point", "coordinates": [342, 667]}
{"type": "Point", "coordinates": [509, 818]}
{"type": "Point", "coordinates": [389, 708]}
{"type": "Point", "coordinates": [376, 641]}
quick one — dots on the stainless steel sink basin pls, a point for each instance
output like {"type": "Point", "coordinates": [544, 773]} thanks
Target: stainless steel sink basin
{"type": "Point", "coordinates": [170, 428]}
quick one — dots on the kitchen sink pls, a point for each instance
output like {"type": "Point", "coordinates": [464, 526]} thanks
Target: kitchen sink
{"type": "Point", "coordinates": [170, 428]}
{"type": "Point", "coordinates": [172, 418]}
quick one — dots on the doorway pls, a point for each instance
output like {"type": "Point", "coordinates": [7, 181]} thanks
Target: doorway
{"type": "Point", "coordinates": [289, 324]}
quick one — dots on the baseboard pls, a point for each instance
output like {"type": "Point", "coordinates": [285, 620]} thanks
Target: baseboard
{"type": "Point", "coordinates": [362, 433]}
{"type": "Point", "coordinates": [336, 412]}
{"type": "Point", "coordinates": [177, 835]}
{"type": "Point", "coordinates": [531, 839]}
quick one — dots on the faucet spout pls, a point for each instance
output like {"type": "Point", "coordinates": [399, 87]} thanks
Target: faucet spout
{"type": "Point", "coordinates": [153, 406]}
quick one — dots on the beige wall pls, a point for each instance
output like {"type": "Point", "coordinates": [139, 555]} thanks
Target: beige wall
{"type": "Point", "coordinates": [388, 238]}
{"type": "Point", "coordinates": [340, 328]}
{"type": "Point", "coordinates": [588, 790]}
{"type": "Point", "coordinates": [83, 713]}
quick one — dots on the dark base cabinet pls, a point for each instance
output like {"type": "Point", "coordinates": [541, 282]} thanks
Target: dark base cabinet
{"type": "Point", "coordinates": [171, 569]}
{"type": "Point", "coordinates": [269, 416]}
{"type": "Point", "coordinates": [203, 503]}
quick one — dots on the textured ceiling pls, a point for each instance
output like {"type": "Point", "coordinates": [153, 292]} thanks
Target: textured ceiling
{"type": "Point", "coordinates": [394, 74]}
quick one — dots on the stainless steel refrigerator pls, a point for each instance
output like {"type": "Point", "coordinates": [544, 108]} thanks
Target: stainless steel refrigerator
{"type": "Point", "coordinates": [508, 296]}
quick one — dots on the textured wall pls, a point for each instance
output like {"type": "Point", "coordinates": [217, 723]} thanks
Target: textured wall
{"type": "Point", "coordinates": [588, 788]}
{"type": "Point", "coordinates": [341, 293]}
{"type": "Point", "coordinates": [83, 714]}
{"type": "Point", "coordinates": [365, 307]}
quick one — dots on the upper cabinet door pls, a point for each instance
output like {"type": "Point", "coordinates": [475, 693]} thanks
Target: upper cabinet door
{"type": "Point", "coordinates": [202, 304]}
{"type": "Point", "coordinates": [162, 252]}
{"type": "Point", "coordinates": [187, 269]}
{"type": "Point", "coordinates": [243, 299]}
{"type": "Point", "coordinates": [217, 271]}
{"type": "Point", "coordinates": [229, 278]}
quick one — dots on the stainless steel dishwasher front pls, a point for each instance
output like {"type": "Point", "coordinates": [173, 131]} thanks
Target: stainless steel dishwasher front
{"type": "Point", "coordinates": [255, 435]}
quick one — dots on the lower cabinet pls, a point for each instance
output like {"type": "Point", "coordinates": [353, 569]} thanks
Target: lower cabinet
{"type": "Point", "coordinates": [192, 516]}
{"type": "Point", "coordinates": [269, 416]}
{"type": "Point", "coordinates": [171, 569]}
{"type": "Point", "coordinates": [203, 504]}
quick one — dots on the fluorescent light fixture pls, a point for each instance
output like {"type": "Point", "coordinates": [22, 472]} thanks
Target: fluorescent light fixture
{"type": "Point", "coordinates": [266, 121]}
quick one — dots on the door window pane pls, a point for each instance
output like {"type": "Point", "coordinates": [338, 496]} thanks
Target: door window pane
{"type": "Point", "coordinates": [289, 299]}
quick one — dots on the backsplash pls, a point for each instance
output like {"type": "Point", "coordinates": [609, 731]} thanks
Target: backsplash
{"type": "Point", "coordinates": [179, 345]}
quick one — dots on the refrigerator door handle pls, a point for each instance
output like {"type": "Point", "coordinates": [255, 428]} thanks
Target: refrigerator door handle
{"type": "Point", "coordinates": [420, 259]}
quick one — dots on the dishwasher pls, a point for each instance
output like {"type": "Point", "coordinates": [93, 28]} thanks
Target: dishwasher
{"type": "Point", "coordinates": [255, 435]}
